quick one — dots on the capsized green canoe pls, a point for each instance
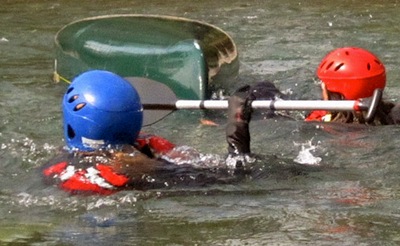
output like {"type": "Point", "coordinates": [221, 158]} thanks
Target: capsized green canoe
{"type": "Point", "coordinates": [190, 57]}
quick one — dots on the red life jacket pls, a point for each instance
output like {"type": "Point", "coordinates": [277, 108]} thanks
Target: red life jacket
{"type": "Point", "coordinates": [76, 177]}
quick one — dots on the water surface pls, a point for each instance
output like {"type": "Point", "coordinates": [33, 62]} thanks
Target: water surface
{"type": "Point", "coordinates": [350, 198]}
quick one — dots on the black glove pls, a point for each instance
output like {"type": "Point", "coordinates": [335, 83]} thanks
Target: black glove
{"type": "Point", "coordinates": [240, 111]}
{"type": "Point", "coordinates": [239, 115]}
{"type": "Point", "coordinates": [266, 91]}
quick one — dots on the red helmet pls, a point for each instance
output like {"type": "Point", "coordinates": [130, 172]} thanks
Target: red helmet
{"type": "Point", "coordinates": [353, 72]}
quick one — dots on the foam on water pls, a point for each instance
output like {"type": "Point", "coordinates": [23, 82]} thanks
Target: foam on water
{"type": "Point", "coordinates": [28, 150]}
{"type": "Point", "coordinates": [305, 155]}
{"type": "Point", "coordinates": [188, 155]}
{"type": "Point", "coordinates": [64, 202]}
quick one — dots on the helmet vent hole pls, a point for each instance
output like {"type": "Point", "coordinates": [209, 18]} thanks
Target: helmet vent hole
{"type": "Point", "coordinates": [73, 98]}
{"type": "Point", "coordinates": [347, 53]}
{"type": "Point", "coordinates": [377, 62]}
{"type": "Point", "coordinates": [70, 132]}
{"type": "Point", "coordinates": [79, 106]}
{"type": "Point", "coordinates": [329, 65]}
{"type": "Point", "coordinates": [369, 66]}
{"type": "Point", "coordinates": [323, 64]}
{"type": "Point", "coordinates": [339, 66]}
{"type": "Point", "coordinates": [69, 90]}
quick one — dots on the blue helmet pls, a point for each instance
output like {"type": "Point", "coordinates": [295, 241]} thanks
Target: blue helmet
{"type": "Point", "coordinates": [100, 109]}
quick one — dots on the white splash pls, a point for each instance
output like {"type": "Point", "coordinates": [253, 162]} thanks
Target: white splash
{"type": "Point", "coordinates": [187, 155]}
{"type": "Point", "coordinates": [305, 156]}
{"type": "Point", "coordinates": [231, 160]}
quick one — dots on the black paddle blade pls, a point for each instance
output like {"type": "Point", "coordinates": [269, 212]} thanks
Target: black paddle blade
{"type": "Point", "coordinates": [158, 100]}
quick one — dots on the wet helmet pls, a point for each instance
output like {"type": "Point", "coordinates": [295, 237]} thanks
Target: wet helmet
{"type": "Point", "coordinates": [100, 109]}
{"type": "Point", "coordinates": [353, 72]}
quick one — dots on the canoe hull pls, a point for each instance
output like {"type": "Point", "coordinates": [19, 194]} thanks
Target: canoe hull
{"type": "Point", "coordinates": [183, 54]}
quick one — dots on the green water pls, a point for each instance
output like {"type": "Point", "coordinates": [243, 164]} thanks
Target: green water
{"type": "Point", "coordinates": [351, 198]}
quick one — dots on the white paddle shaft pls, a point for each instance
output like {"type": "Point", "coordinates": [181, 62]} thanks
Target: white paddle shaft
{"type": "Point", "coordinates": [341, 105]}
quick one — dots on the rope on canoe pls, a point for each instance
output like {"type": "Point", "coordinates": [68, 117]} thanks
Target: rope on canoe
{"type": "Point", "coordinates": [57, 78]}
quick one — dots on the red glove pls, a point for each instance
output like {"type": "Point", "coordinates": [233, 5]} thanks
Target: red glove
{"type": "Point", "coordinates": [161, 148]}
{"type": "Point", "coordinates": [157, 145]}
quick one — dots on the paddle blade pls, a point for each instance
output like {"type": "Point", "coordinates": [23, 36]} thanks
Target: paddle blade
{"type": "Point", "coordinates": [153, 93]}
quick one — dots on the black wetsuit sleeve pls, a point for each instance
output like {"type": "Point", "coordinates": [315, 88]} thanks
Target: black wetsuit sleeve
{"type": "Point", "coordinates": [239, 115]}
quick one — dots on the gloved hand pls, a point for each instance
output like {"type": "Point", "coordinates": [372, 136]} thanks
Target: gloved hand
{"type": "Point", "coordinates": [266, 91]}
{"type": "Point", "coordinates": [240, 111]}
{"type": "Point", "coordinates": [239, 115]}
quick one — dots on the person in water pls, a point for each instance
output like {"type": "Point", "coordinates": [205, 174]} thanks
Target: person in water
{"type": "Point", "coordinates": [352, 73]}
{"type": "Point", "coordinates": [107, 152]}
{"type": "Point", "coordinates": [348, 73]}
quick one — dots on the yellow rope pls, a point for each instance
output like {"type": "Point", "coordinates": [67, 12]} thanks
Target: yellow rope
{"type": "Point", "coordinates": [57, 78]}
